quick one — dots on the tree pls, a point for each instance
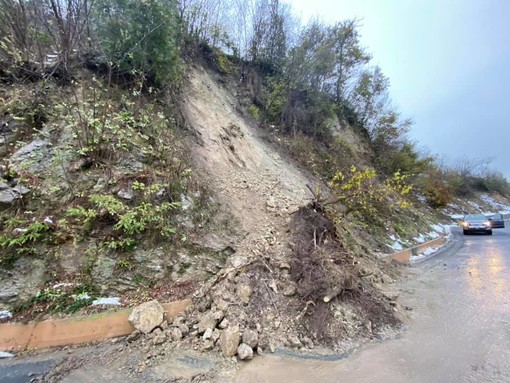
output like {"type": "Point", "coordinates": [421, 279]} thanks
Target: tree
{"type": "Point", "coordinates": [349, 55]}
{"type": "Point", "coordinates": [140, 36]}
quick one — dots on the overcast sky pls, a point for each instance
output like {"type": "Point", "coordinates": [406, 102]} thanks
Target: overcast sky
{"type": "Point", "coordinates": [448, 62]}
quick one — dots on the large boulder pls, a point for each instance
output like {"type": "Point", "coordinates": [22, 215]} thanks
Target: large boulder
{"type": "Point", "coordinates": [147, 316]}
{"type": "Point", "coordinates": [229, 341]}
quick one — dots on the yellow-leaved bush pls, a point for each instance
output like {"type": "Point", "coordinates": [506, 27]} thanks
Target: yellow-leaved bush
{"type": "Point", "coordinates": [368, 198]}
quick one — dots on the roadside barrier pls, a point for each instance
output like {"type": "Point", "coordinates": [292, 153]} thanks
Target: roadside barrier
{"type": "Point", "coordinates": [70, 331]}
{"type": "Point", "coordinates": [403, 257]}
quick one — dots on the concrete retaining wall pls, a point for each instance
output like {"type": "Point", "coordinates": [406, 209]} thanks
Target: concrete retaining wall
{"type": "Point", "coordinates": [61, 332]}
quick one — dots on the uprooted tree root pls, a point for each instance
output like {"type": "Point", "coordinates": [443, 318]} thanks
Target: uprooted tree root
{"type": "Point", "coordinates": [328, 277]}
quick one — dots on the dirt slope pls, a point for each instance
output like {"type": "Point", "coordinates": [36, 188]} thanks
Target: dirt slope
{"type": "Point", "coordinates": [249, 178]}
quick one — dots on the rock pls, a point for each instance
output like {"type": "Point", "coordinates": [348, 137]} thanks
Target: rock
{"type": "Point", "coordinates": [260, 351]}
{"type": "Point", "coordinates": [4, 355]}
{"type": "Point", "coordinates": [7, 196]}
{"type": "Point", "coordinates": [215, 335]}
{"type": "Point", "coordinates": [272, 285]}
{"type": "Point", "coordinates": [308, 343]}
{"type": "Point", "coordinates": [178, 321]}
{"type": "Point", "coordinates": [271, 204]}
{"type": "Point", "coordinates": [9, 295]}
{"type": "Point", "coordinates": [133, 336]}
{"type": "Point", "coordinates": [245, 352]}
{"type": "Point", "coordinates": [290, 290]}
{"type": "Point", "coordinates": [20, 189]}
{"type": "Point", "coordinates": [238, 260]}
{"type": "Point", "coordinates": [186, 202]}
{"type": "Point", "coordinates": [208, 345]}
{"type": "Point", "coordinates": [244, 292]}
{"type": "Point", "coordinates": [229, 341]}
{"type": "Point", "coordinates": [3, 185]}
{"type": "Point", "coordinates": [223, 324]}
{"type": "Point", "coordinates": [204, 304]}
{"type": "Point", "coordinates": [147, 316]}
{"type": "Point", "coordinates": [177, 333]}
{"type": "Point", "coordinates": [207, 334]}
{"type": "Point", "coordinates": [222, 305]}
{"type": "Point", "coordinates": [294, 341]}
{"type": "Point", "coordinates": [36, 157]}
{"type": "Point", "coordinates": [210, 320]}
{"type": "Point", "coordinates": [184, 329]}
{"type": "Point", "coordinates": [284, 266]}
{"type": "Point", "coordinates": [251, 338]}
{"type": "Point", "coordinates": [159, 339]}
{"type": "Point", "coordinates": [126, 194]}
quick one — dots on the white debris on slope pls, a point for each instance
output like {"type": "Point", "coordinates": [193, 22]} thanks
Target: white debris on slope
{"type": "Point", "coordinates": [5, 314]}
{"type": "Point", "coordinates": [107, 302]}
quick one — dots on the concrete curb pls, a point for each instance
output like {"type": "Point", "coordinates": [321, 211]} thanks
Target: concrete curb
{"type": "Point", "coordinates": [404, 257]}
{"type": "Point", "coordinates": [62, 332]}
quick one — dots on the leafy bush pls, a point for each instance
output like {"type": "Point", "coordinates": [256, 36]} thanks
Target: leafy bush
{"type": "Point", "coordinates": [438, 193]}
{"type": "Point", "coordinates": [254, 111]}
{"type": "Point", "coordinates": [19, 236]}
{"type": "Point", "coordinates": [367, 198]}
{"type": "Point", "coordinates": [127, 221]}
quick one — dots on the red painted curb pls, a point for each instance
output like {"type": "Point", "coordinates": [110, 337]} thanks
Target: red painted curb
{"type": "Point", "coordinates": [62, 332]}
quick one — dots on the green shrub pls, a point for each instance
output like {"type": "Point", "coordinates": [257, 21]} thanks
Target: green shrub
{"type": "Point", "coordinates": [254, 111]}
{"type": "Point", "coordinates": [20, 236]}
{"type": "Point", "coordinates": [127, 221]}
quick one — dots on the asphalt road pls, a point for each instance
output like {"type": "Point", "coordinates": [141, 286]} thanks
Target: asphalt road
{"type": "Point", "coordinates": [459, 329]}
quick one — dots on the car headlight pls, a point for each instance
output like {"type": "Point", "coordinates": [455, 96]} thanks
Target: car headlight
{"type": "Point", "coordinates": [487, 223]}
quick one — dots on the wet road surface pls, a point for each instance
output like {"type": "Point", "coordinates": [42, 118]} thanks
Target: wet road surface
{"type": "Point", "coordinates": [459, 329]}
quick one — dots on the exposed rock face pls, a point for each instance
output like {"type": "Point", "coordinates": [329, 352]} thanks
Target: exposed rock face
{"type": "Point", "coordinates": [7, 197]}
{"type": "Point", "coordinates": [229, 341]}
{"type": "Point", "coordinates": [35, 156]}
{"type": "Point", "coordinates": [245, 352]}
{"type": "Point", "coordinates": [251, 338]}
{"type": "Point", "coordinates": [147, 316]}
{"type": "Point", "coordinates": [10, 194]}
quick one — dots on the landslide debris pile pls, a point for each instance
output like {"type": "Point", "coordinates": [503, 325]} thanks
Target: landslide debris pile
{"type": "Point", "coordinates": [314, 295]}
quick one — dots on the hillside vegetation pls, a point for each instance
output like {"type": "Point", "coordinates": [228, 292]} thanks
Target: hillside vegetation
{"type": "Point", "coordinates": [219, 150]}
